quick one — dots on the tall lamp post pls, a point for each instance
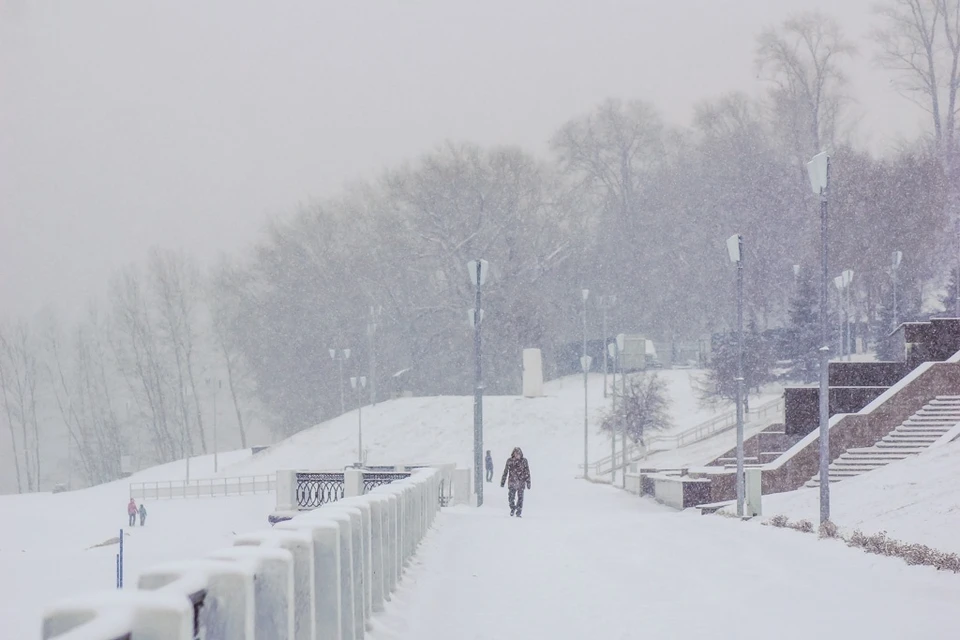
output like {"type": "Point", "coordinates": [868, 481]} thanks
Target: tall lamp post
{"type": "Point", "coordinates": [605, 303]}
{"type": "Point", "coordinates": [358, 383]}
{"type": "Point", "coordinates": [340, 355]}
{"type": "Point", "coordinates": [897, 258]}
{"type": "Point", "coordinates": [375, 313]}
{"type": "Point", "coordinates": [818, 170]}
{"type": "Point", "coordinates": [735, 250]}
{"type": "Point", "coordinates": [621, 340]}
{"type": "Point", "coordinates": [612, 352]}
{"type": "Point", "coordinates": [477, 269]}
{"type": "Point", "coordinates": [585, 361]}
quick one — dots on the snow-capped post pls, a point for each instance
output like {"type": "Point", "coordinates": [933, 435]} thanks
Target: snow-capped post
{"type": "Point", "coordinates": [897, 257]}
{"type": "Point", "coordinates": [585, 365]}
{"type": "Point", "coordinates": [478, 270]}
{"type": "Point", "coordinates": [818, 170]}
{"type": "Point", "coordinates": [621, 341]}
{"type": "Point", "coordinates": [340, 355]}
{"type": "Point", "coordinates": [605, 303]}
{"type": "Point", "coordinates": [120, 563]}
{"type": "Point", "coordinates": [359, 383]}
{"type": "Point", "coordinates": [735, 249]}
{"type": "Point", "coordinates": [612, 352]}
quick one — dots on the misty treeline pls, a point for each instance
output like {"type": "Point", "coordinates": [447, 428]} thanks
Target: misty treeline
{"type": "Point", "coordinates": [623, 204]}
{"type": "Point", "coordinates": [139, 376]}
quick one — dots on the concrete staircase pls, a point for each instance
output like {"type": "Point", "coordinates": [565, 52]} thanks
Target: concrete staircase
{"type": "Point", "coordinates": [914, 435]}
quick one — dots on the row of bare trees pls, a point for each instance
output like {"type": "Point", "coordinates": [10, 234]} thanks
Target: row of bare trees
{"type": "Point", "coordinates": [136, 379]}
{"type": "Point", "coordinates": [624, 204]}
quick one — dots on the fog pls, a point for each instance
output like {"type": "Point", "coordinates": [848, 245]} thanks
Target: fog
{"type": "Point", "coordinates": [130, 124]}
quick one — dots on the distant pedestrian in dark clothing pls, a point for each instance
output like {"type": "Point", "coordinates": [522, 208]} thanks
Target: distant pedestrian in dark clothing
{"type": "Point", "coordinates": [132, 512]}
{"type": "Point", "coordinates": [489, 464]}
{"type": "Point", "coordinates": [518, 471]}
{"type": "Point", "coordinates": [143, 514]}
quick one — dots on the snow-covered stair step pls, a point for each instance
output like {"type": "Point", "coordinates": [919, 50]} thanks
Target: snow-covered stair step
{"type": "Point", "coordinates": [910, 437]}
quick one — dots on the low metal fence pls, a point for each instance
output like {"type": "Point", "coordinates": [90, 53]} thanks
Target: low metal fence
{"type": "Point", "coordinates": [202, 487]}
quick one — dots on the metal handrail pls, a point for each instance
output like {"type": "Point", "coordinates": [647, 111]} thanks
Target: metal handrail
{"type": "Point", "coordinates": [202, 487]}
{"type": "Point", "coordinates": [702, 431]}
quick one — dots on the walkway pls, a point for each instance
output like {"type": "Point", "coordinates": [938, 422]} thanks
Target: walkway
{"type": "Point", "coordinates": [588, 561]}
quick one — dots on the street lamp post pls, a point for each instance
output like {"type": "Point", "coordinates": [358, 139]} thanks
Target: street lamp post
{"type": "Point", "coordinates": [478, 270]}
{"type": "Point", "coordinates": [341, 355]}
{"type": "Point", "coordinates": [818, 170]}
{"type": "Point", "coordinates": [605, 303]}
{"type": "Point", "coordinates": [611, 350]}
{"type": "Point", "coordinates": [735, 250]}
{"type": "Point", "coordinates": [585, 365]}
{"type": "Point", "coordinates": [375, 313]}
{"type": "Point", "coordinates": [897, 257]}
{"type": "Point", "coordinates": [358, 383]}
{"type": "Point", "coordinates": [216, 449]}
{"type": "Point", "coordinates": [621, 339]}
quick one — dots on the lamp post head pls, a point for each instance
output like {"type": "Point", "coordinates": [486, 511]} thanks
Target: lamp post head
{"type": "Point", "coordinates": [818, 170]}
{"type": "Point", "coordinates": [734, 247]}
{"type": "Point", "coordinates": [796, 270]}
{"type": "Point", "coordinates": [478, 270]}
{"type": "Point", "coordinates": [585, 293]}
{"type": "Point", "coordinates": [333, 354]}
{"type": "Point", "coordinates": [838, 283]}
{"type": "Point", "coordinates": [346, 354]}
{"type": "Point", "coordinates": [847, 277]}
{"type": "Point", "coordinates": [353, 381]}
{"type": "Point", "coordinates": [897, 258]}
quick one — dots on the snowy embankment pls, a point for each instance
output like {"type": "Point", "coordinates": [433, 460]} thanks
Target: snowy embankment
{"type": "Point", "coordinates": [916, 500]}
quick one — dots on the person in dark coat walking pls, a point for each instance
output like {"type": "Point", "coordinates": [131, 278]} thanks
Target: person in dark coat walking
{"type": "Point", "coordinates": [143, 514]}
{"type": "Point", "coordinates": [518, 471]}
{"type": "Point", "coordinates": [489, 465]}
{"type": "Point", "coordinates": [132, 512]}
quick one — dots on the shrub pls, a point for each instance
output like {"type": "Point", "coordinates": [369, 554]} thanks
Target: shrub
{"type": "Point", "coordinates": [779, 521]}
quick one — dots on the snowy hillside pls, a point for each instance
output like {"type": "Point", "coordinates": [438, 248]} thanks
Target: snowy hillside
{"type": "Point", "coordinates": [915, 500]}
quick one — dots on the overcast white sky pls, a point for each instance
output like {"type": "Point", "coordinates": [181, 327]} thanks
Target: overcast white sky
{"type": "Point", "coordinates": [125, 124]}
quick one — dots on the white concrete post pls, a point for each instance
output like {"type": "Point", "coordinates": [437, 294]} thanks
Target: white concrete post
{"type": "Point", "coordinates": [273, 587]}
{"type": "Point", "coordinates": [327, 575]}
{"type": "Point", "coordinates": [356, 545]}
{"type": "Point", "coordinates": [461, 486]}
{"type": "Point", "coordinates": [391, 535]}
{"type": "Point", "coordinates": [754, 492]}
{"type": "Point", "coordinates": [359, 510]}
{"type": "Point", "coordinates": [111, 614]}
{"type": "Point", "coordinates": [352, 482]}
{"type": "Point", "coordinates": [286, 490]}
{"type": "Point", "coordinates": [366, 506]}
{"type": "Point", "coordinates": [300, 545]}
{"type": "Point", "coordinates": [348, 630]}
{"type": "Point", "coordinates": [378, 543]}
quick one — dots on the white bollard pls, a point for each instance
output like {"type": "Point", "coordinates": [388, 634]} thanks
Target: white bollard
{"type": "Point", "coordinates": [390, 536]}
{"type": "Point", "coordinates": [343, 520]}
{"type": "Point", "coordinates": [363, 503]}
{"type": "Point", "coordinates": [754, 492]}
{"type": "Point", "coordinates": [327, 573]}
{"type": "Point", "coordinates": [226, 608]}
{"type": "Point", "coordinates": [376, 572]}
{"type": "Point", "coordinates": [273, 598]}
{"type": "Point", "coordinates": [300, 544]}
{"type": "Point", "coordinates": [352, 482]}
{"type": "Point", "coordinates": [114, 614]}
{"type": "Point", "coordinates": [286, 490]}
{"type": "Point", "coordinates": [359, 570]}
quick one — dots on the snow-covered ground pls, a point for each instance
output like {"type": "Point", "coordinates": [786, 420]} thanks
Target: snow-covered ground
{"type": "Point", "coordinates": [589, 561]}
{"type": "Point", "coordinates": [440, 429]}
{"type": "Point", "coordinates": [586, 560]}
{"type": "Point", "coordinates": [916, 500]}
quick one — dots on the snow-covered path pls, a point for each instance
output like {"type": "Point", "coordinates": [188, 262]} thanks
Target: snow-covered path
{"type": "Point", "coordinates": [588, 561]}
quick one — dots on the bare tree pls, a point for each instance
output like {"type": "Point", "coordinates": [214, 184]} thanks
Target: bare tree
{"type": "Point", "coordinates": [138, 355]}
{"type": "Point", "coordinates": [803, 60]}
{"type": "Point", "coordinates": [18, 350]}
{"type": "Point", "coordinates": [920, 42]}
{"type": "Point", "coordinates": [176, 284]}
{"type": "Point", "coordinates": [225, 288]}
